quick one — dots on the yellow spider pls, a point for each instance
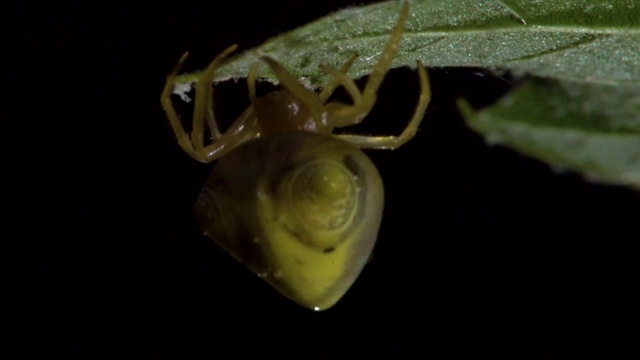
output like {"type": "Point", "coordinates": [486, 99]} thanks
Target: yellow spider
{"type": "Point", "coordinates": [298, 205]}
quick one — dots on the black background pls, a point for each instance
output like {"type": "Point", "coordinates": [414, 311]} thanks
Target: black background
{"type": "Point", "coordinates": [482, 253]}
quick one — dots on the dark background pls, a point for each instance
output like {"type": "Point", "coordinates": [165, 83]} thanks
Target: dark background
{"type": "Point", "coordinates": [482, 253]}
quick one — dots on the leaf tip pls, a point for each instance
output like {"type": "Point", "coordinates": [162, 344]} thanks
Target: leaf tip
{"type": "Point", "coordinates": [466, 110]}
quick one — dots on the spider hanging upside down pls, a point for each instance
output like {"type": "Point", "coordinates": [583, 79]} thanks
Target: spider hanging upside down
{"type": "Point", "coordinates": [298, 205]}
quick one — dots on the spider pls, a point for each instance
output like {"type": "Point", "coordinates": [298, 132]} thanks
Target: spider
{"type": "Point", "coordinates": [298, 205]}
{"type": "Point", "coordinates": [294, 108]}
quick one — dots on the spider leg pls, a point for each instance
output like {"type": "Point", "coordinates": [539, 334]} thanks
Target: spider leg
{"type": "Point", "coordinates": [337, 78]}
{"type": "Point", "coordinates": [243, 129]}
{"type": "Point", "coordinates": [251, 82]}
{"type": "Point", "coordinates": [174, 120]}
{"type": "Point", "coordinates": [203, 105]}
{"type": "Point", "coordinates": [345, 81]}
{"type": "Point", "coordinates": [394, 142]}
{"type": "Point", "coordinates": [336, 109]}
{"type": "Point", "coordinates": [362, 107]}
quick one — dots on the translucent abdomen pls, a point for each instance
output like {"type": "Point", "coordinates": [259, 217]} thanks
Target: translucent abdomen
{"type": "Point", "coordinates": [301, 210]}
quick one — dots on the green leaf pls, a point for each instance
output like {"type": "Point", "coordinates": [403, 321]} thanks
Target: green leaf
{"type": "Point", "coordinates": [590, 128]}
{"type": "Point", "coordinates": [588, 40]}
{"type": "Point", "coordinates": [586, 118]}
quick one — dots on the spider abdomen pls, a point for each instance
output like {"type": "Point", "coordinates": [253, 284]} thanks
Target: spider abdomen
{"type": "Point", "coordinates": [301, 210]}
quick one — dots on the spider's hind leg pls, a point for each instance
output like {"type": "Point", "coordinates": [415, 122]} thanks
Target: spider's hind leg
{"type": "Point", "coordinates": [203, 105]}
{"type": "Point", "coordinates": [391, 141]}
{"type": "Point", "coordinates": [174, 120]}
